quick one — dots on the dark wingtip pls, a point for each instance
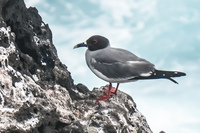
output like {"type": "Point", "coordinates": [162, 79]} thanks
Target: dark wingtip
{"type": "Point", "coordinates": [183, 74]}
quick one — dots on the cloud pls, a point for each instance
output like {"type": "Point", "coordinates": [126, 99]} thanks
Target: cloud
{"type": "Point", "coordinates": [170, 117]}
{"type": "Point", "coordinates": [32, 3]}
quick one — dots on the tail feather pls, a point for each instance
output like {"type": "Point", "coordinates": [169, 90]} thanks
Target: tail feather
{"type": "Point", "coordinates": [163, 74]}
{"type": "Point", "coordinates": [173, 80]}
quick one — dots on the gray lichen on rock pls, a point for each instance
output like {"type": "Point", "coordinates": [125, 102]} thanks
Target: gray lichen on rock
{"type": "Point", "coordinates": [37, 93]}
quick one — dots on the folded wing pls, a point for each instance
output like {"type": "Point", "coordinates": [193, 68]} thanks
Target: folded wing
{"type": "Point", "coordinates": [121, 64]}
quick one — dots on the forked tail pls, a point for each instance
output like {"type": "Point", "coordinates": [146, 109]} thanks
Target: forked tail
{"type": "Point", "coordinates": [163, 74]}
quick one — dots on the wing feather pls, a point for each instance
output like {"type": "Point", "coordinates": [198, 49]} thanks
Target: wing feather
{"type": "Point", "coordinates": [120, 64]}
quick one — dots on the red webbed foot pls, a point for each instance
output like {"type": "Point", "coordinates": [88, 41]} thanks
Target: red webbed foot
{"type": "Point", "coordinates": [110, 90]}
{"type": "Point", "coordinates": [102, 98]}
{"type": "Point", "coordinates": [113, 90]}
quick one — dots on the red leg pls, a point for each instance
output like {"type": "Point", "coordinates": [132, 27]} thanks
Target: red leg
{"type": "Point", "coordinates": [113, 90]}
{"type": "Point", "coordinates": [105, 97]}
{"type": "Point", "coordinates": [116, 89]}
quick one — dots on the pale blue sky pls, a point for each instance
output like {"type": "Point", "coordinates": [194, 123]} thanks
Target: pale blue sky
{"type": "Point", "coordinates": [165, 32]}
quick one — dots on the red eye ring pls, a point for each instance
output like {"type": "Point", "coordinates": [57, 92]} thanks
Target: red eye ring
{"type": "Point", "coordinates": [94, 41]}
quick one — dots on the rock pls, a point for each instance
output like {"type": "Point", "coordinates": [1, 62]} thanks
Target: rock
{"type": "Point", "coordinates": [37, 93]}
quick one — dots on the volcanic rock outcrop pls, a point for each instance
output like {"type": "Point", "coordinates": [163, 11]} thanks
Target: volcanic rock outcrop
{"type": "Point", "coordinates": [37, 93]}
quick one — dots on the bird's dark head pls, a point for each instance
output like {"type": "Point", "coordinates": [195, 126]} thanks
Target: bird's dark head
{"type": "Point", "coordinates": [95, 42]}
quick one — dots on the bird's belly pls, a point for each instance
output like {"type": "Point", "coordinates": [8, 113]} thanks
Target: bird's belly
{"type": "Point", "coordinates": [111, 80]}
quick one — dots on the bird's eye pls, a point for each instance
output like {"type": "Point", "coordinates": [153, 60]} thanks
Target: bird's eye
{"type": "Point", "coordinates": [94, 41]}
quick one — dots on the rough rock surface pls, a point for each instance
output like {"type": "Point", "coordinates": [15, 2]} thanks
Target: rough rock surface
{"type": "Point", "coordinates": [37, 93]}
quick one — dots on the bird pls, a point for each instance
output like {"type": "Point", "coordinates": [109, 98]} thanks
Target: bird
{"type": "Point", "coordinates": [116, 65]}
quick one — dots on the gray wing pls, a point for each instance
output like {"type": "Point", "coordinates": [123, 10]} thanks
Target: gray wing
{"type": "Point", "coordinates": [118, 63]}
